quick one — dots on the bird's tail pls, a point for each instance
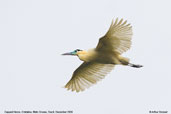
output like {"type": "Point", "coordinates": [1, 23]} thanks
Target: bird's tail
{"type": "Point", "coordinates": [135, 65]}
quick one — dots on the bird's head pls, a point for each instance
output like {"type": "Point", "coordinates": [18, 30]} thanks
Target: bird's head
{"type": "Point", "coordinates": [75, 52]}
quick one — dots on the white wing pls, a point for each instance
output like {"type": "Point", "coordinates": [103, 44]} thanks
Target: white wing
{"type": "Point", "coordinates": [87, 74]}
{"type": "Point", "coordinates": [117, 39]}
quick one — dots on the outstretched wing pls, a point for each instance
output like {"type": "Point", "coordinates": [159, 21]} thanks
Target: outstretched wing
{"type": "Point", "coordinates": [117, 39]}
{"type": "Point", "coordinates": [87, 74]}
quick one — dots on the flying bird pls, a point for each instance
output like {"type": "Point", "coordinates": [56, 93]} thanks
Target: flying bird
{"type": "Point", "coordinates": [98, 62]}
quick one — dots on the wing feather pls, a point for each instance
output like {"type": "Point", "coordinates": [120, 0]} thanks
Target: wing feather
{"type": "Point", "coordinates": [87, 74]}
{"type": "Point", "coordinates": [117, 39]}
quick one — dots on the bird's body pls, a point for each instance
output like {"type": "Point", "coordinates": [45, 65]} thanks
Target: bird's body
{"type": "Point", "coordinates": [92, 55]}
{"type": "Point", "coordinates": [98, 62]}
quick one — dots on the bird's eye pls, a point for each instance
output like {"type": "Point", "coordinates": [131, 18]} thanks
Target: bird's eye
{"type": "Point", "coordinates": [78, 50]}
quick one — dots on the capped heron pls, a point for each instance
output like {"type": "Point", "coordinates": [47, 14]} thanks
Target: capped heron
{"type": "Point", "coordinates": [98, 62]}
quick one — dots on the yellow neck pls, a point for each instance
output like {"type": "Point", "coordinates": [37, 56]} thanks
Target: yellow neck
{"type": "Point", "coordinates": [86, 56]}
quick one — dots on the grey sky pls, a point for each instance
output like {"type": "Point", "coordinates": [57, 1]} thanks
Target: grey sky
{"type": "Point", "coordinates": [34, 34]}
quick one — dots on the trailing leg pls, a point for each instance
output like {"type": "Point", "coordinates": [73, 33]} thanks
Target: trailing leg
{"type": "Point", "coordinates": [135, 65]}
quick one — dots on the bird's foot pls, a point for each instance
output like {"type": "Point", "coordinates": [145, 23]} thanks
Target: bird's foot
{"type": "Point", "coordinates": [135, 66]}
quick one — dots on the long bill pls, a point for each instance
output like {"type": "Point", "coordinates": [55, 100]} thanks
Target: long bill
{"type": "Point", "coordinates": [69, 53]}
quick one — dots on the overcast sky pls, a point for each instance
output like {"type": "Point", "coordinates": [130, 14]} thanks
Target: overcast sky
{"type": "Point", "coordinates": [34, 34]}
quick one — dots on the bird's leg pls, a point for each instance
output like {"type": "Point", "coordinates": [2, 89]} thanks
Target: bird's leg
{"type": "Point", "coordinates": [134, 65]}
